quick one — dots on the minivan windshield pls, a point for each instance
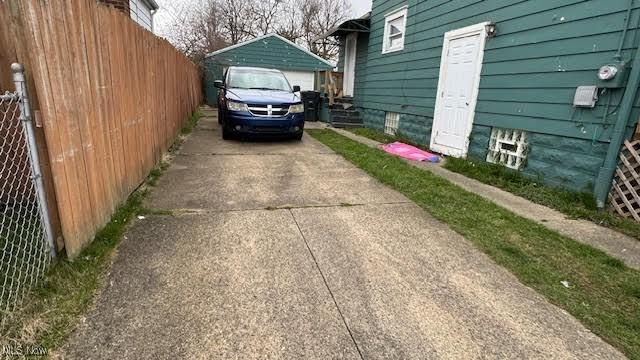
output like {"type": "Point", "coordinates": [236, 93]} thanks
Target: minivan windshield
{"type": "Point", "coordinates": [257, 79]}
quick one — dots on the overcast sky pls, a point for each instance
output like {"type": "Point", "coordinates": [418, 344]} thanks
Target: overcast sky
{"type": "Point", "coordinates": [360, 7]}
{"type": "Point", "coordinates": [164, 16]}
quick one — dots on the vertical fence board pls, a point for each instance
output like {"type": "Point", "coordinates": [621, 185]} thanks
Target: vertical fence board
{"type": "Point", "coordinates": [7, 55]}
{"type": "Point", "coordinates": [111, 95]}
{"type": "Point", "coordinates": [105, 90]}
{"type": "Point", "coordinates": [83, 111]}
{"type": "Point", "coordinates": [110, 41]}
{"type": "Point", "coordinates": [60, 123]}
{"type": "Point", "coordinates": [54, 171]}
{"type": "Point", "coordinates": [96, 84]}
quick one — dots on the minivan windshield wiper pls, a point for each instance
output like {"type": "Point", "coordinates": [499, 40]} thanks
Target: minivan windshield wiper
{"type": "Point", "coordinates": [265, 88]}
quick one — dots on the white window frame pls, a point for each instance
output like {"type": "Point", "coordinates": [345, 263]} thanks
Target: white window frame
{"type": "Point", "coordinates": [497, 154]}
{"type": "Point", "coordinates": [395, 14]}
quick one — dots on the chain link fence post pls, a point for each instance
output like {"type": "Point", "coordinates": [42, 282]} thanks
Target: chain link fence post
{"type": "Point", "coordinates": [25, 116]}
{"type": "Point", "coordinates": [26, 236]}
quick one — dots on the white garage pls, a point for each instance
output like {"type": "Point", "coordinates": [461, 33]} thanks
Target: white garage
{"type": "Point", "coordinates": [304, 79]}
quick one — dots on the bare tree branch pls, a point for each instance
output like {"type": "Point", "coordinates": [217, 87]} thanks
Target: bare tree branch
{"type": "Point", "coordinates": [208, 25]}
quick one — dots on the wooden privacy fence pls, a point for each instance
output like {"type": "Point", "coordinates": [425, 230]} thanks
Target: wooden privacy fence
{"type": "Point", "coordinates": [332, 84]}
{"type": "Point", "coordinates": [110, 98]}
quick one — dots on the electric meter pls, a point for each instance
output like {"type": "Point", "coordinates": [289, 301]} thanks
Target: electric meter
{"type": "Point", "coordinates": [613, 75]}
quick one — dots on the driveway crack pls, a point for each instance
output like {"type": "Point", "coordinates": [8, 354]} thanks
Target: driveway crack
{"type": "Point", "coordinates": [326, 284]}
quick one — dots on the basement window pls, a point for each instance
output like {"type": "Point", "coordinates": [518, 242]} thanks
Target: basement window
{"type": "Point", "coordinates": [394, 29]}
{"type": "Point", "coordinates": [391, 123]}
{"type": "Point", "coordinates": [508, 147]}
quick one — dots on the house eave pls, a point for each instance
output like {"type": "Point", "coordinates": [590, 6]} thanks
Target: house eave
{"type": "Point", "coordinates": [153, 5]}
{"type": "Point", "coordinates": [359, 25]}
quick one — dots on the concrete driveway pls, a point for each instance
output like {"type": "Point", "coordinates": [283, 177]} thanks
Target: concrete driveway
{"type": "Point", "coordinates": [284, 250]}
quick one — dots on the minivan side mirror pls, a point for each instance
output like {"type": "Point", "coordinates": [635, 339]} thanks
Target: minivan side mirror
{"type": "Point", "coordinates": [296, 88]}
{"type": "Point", "coordinates": [218, 84]}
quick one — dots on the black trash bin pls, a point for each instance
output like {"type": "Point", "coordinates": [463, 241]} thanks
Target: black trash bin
{"type": "Point", "coordinates": [311, 100]}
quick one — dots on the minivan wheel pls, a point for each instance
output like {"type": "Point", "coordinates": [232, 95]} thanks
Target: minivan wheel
{"type": "Point", "coordinates": [226, 134]}
{"type": "Point", "coordinates": [298, 137]}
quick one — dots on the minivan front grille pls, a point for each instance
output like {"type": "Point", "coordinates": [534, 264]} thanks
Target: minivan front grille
{"type": "Point", "coordinates": [268, 110]}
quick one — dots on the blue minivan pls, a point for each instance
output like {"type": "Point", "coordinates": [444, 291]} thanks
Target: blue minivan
{"type": "Point", "coordinates": [257, 101]}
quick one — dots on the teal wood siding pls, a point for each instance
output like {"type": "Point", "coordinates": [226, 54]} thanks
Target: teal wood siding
{"type": "Point", "coordinates": [340, 64]}
{"type": "Point", "coordinates": [543, 50]}
{"type": "Point", "coordinates": [269, 52]}
{"type": "Point", "coordinates": [212, 72]}
{"type": "Point", "coordinates": [362, 53]}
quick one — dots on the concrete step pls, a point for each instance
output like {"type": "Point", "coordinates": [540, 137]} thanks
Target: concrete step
{"type": "Point", "coordinates": [342, 106]}
{"type": "Point", "coordinates": [346, 125]}
{"type": "Point", "coordinates": [345, 112]}
{"type": "Point", "coordinates": [343, 100]}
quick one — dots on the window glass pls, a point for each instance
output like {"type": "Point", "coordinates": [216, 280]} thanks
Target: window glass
{"type": "Point", "coordinates": [395, 42]}
{"type": "Point", "coordinates": [256, 79]}
{"type": "Point", "coordinates": [395, 26]}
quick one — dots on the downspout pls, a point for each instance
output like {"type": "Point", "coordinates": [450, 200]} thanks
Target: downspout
{"type": "Point", "coordinates": [607, 171]}
{"type": "Point", "coordinates": [618, 55]}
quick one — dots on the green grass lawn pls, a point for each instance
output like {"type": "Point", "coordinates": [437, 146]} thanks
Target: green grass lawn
{"type": "Point", "coordinates": [604, 293]}
{"type": "Point", "coordinates": [382, 137]}
{"type": "Point", "coordinates": [50, 312]}
{"type": "Point", "coordinates": [573, 204]}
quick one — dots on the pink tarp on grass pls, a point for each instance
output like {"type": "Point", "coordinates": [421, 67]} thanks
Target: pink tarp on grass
{"type": "Point", "coordinates": [409, 152]}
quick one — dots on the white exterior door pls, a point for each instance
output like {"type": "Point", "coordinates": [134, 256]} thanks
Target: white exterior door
{"type": "Point", "coordinates": [458, 89]}
{"type": "Point", "coordinates": [349, 75]}
{"type": "Point", "coordinates": [304, 79]}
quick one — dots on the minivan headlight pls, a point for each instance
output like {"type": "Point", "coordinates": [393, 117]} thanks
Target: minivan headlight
{"type": "Point", "coordinates": [237, 106]}
{"type": "Point", "coordinates": [296, 108]}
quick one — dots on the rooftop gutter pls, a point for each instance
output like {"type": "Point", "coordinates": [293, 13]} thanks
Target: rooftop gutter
{"type": "Point", "coordinates": [153, 5]}
{"type": "Point", "coordinates": [335, 29]}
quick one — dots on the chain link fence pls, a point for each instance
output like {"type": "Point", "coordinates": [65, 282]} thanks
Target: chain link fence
{"type": "Point", "coordinates": [25, 236]}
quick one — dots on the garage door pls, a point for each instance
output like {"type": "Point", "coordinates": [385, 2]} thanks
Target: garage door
{"type": "Point", "coordinates": [302, 78]}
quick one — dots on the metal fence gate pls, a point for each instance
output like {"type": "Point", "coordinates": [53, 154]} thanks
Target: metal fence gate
{"type": "Point", "coordinates": [25, 233]}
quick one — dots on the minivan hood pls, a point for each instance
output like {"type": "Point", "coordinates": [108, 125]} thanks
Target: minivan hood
{"type": "Point", "coordinates": [262, 96]}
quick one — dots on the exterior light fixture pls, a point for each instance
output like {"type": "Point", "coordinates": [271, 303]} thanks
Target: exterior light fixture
{"type": "Point", "coordinates": [491, 30]}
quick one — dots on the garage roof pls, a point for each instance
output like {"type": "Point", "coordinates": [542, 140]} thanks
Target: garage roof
{"type": "Point", "coordinates": [270, 51]}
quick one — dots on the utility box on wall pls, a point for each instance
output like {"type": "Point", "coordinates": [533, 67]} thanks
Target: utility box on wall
{"type": "Point", "coordinates": [613, 75]}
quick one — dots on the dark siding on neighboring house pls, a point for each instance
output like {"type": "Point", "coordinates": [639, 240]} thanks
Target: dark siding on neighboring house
{"type": "Point", "coordinates": [122, 5]}
{"type": "Point", "coordinates": [543, 50]}
{"type": "Point", "coordinates": [340, 64]}
{"type": "Point", "coordinates": [212, 72]}
{"type": "Point", "coordinates": [362, 53]}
